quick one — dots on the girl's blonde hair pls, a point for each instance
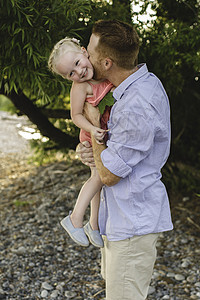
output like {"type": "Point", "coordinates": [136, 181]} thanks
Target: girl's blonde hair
{"type": "Point", "coordinates": [62, 47]}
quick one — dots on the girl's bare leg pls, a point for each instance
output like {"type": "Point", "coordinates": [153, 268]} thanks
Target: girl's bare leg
{"type": "Point", "coordinates": [88, 191]}
{"type": "Point", "coordinates": [94, 211]}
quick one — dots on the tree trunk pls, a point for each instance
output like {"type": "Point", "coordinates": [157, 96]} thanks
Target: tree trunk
{"type": "Point", "coordinates": [56, 113]}
{"type": "Point", "coordinates": [46, 128]}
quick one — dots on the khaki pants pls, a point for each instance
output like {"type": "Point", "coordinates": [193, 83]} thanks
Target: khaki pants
{"type": "Point", "coordinates": [127, 266]}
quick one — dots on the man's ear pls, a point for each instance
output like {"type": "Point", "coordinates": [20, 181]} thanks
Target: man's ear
{"type": "Point", "coordinates": [107, 63]}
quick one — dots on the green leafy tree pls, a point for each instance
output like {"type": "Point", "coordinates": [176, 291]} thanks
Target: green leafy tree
{"type": "Point", "coordinates": [171, 48]}
{"type": "Point", "coordinates": [29, 29]}
{"type": "Point", "coordinates": [103, 10]}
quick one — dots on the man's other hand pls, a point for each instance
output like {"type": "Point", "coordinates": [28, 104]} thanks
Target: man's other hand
{"type": "Point", "coordinates": [85, 153]}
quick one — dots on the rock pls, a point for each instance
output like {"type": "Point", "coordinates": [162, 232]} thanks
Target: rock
{"type": "Point", "coordinates": [70, 294]}
{"type": "Point", "coordinates": [185, 264]}
{"type": "Point", "coordinates": [184, 241]}
{"type": "Point", "coordinates": [151, 290]}
{"type": "Point", "coordinates": [195, 297]}
{"type": "Point", "coordinates": [60, 249]}
{"type": "Point", "coordinates": [59, 287]}
{"type": "Point", "coordinates": [20, 251]}
{"type": "Point", "coordinates": [197, 284]}
{"type": "Point", "coordinates": [170, 274]}
{"type": "Point", "coordinates": [31, 264]}
{"type": "Point", "coordinates": [25, 278]}
{"type": "Point", "coordinates": [54, 294]}
{"type": "Point", "coordinates": [2, 294]}
{"type": "Point", "coordinates": [179, 277]}
{"type": "Point", "coordinates": [47, 286]}
{"type": "Point", "coordinates": [44, 294]}
{"type": "Point", "coordinates": [191, 278]}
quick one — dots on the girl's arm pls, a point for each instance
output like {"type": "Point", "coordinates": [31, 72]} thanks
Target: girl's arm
{"type": "Point", "coordinates": [78, 94]}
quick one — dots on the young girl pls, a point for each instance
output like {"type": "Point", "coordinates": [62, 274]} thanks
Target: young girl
{"type": "Point", "coordinates": [71, 61]}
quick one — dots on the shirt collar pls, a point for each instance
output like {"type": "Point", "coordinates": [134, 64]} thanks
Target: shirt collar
{"type": "Point", "coordinates": [119, 91]}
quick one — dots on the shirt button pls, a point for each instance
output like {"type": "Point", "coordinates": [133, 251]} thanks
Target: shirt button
{"type": "Point", "coordinates": [102, 199]}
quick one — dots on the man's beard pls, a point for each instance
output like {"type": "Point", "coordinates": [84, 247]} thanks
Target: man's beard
{"type": "Point", "coordinates": [98, 74]}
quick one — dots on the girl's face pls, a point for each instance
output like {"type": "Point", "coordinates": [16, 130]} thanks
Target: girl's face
{"type": "Point", "coordinates": [75, 66]}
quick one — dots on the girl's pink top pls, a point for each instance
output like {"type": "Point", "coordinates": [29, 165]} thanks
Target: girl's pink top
{"type": "Point", "coordinates": [99, 91]}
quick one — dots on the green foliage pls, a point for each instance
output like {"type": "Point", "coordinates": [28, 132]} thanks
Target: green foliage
{"type": "Point", "coordinates": [171, 47]}
{"type": "Point", "coordinates": [29, 29]}
{"type": "Point", "coordinates": [21, 203]}
{"type": "Point", "coordinates": [108, 100]}
{"type": "Point", "coordinates": [6, 104]}
{"type": "Point", "coordinates": [46, 152]}
{"type": "Point", "coordinates": [116, 9]}
{"type": "Point", "coordinates": [171, 50]}
{"type": "Point", "coordinates": [180, 177]}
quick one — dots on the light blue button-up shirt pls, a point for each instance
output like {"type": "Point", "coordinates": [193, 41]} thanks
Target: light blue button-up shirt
{"type": "Point", "coordinates": [137, 149]}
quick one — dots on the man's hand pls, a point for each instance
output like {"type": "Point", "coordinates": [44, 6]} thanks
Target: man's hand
{"type": "Point", "coordinates": [92, 114]}
{"type": "Point", "coordinates": [85, 153]}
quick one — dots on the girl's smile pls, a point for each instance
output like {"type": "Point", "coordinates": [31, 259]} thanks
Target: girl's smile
{"type": "Point", "coordinates": [75, 66]}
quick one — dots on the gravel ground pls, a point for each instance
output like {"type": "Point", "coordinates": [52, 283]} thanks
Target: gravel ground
{"type": "Point", "coordinates": [39, 261]}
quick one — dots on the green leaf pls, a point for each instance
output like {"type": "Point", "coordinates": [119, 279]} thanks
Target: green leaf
{"type": "Point", "coordinates": [108, 100]}
{"type": "Point", "coordinates": [17, 30]}
{"type": "Point", "coordinates": [28, 20]}
{"type": "Point", "coordinates": [22, 35]}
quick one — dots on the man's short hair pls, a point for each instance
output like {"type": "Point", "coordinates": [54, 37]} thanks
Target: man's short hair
{"type": "Point", "coordinates": [117, 40]}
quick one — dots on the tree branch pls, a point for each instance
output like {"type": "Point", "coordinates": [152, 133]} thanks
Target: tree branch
{"type": "Point", "coordinates": [36, 116]}
{"type": "Point", "coordinates": [56, 113]}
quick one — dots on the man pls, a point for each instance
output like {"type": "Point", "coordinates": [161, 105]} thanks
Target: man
{"type": "Point", "coordinates": [134, 204]}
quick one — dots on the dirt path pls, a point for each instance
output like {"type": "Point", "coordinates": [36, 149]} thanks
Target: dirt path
{"type": "Point", "coordinates": [10, 139]}
{"type": "Point", "coordinates": [14, 149]}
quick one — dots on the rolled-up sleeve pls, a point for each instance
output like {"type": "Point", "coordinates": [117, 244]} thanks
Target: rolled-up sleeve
{"type": "Point", "coordinates": [131, 139]}
{"type": "Point", "coordinates": [114, 163]}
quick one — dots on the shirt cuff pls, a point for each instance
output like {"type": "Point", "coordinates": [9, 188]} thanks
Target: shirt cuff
{"type": "Point", "coordinates": [114, 163]}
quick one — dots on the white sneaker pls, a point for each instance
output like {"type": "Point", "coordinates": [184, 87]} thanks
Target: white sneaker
{"type": "Point", "coordinates": [77, 234]}
{"type": "Point", "coordinates": [94, 236]}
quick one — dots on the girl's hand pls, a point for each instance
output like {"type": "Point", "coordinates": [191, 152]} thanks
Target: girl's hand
{"type": "Point", "coordinates": [98, 134]}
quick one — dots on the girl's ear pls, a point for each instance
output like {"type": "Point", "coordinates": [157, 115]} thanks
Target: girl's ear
{"type": "Point", "coordinates": [83, 50]}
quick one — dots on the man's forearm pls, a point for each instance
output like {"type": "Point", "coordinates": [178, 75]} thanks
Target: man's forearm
{"type": "Point", "coordinates": [106, 176]}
